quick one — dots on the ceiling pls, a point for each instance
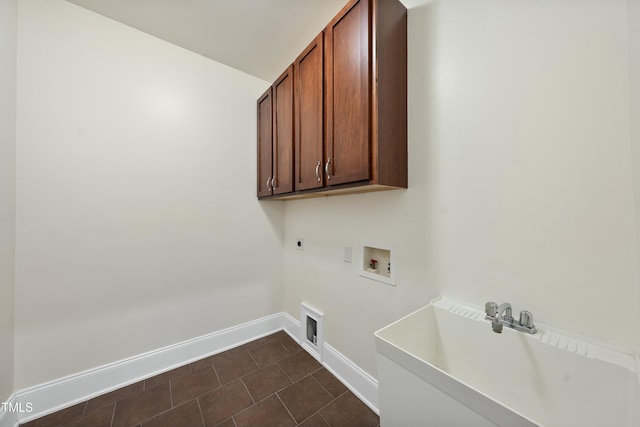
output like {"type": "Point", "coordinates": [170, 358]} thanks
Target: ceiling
{"type": "Point", "coordinates": [259, 37]}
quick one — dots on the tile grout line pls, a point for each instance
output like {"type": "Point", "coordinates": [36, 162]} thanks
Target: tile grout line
{"type": "Point", "coordinates": [247, 373]}
{"type": "Point", "coordinates": [215, 372]}
{"type": "Point", "coordinates": [294, 382]}
{"type": "Point", "coordinates": [187, 401]}
{"type": "Point", "coordinates": [268, 396]}
{"type": "Point", "coordinates": [286, 349]}
{"type": "Point", "coordinates": [200, 409]}
{"type": "Point", "coordinates": [263, 399]}
{"type": "Point", "coordinates": [310, 374]}
{"type": "Point", "coordinates": [318, 411]}
{"type": "Point", "coordinates": [285, 372]}
{"type": "Point", "coordinates": [287, 409]}
{"type": "Point", "coordinates": [144, 381]}
{"type": "Point", "coordinates": [321, 385]}
{"type": "Point", "coordinates": [272, 362]}
{"type": "Point", "coordinates": [248, 407]}
{"type": "Point", "coordinates": [254, 360]}
{"type": "Point", "coordinates": [157, 415]}
{"type": "Point", "coordinates": [251, 345]}
{"type": "Point", "coordinates": [170, 394]}
{"type": "Point", "coordinates": [113, 414]}
{"type": "Point", "coordinates": [233, 421]}
{"type": "Point", "coordinates": [323, 419]}
{"type": "Point", "coordinates": [248, 392]}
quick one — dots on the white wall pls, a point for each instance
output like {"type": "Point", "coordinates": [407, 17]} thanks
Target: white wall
{"type": "Point", "coordinates": [633, 35]}
{"type": "Point", "coordinates": [137, 222]}
{"type": "Point", "coordinates": [520, 185]}
{"type": "Point", "coordinates": [8, 32]}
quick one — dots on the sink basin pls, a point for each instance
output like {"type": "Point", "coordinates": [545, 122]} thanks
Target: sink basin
{"type": "Point", "coordinates": [444, 366]}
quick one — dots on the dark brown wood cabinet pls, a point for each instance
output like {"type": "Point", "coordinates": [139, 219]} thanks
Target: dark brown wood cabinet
{"type": "Point", "coordinates": [347, 95]}
{"type": "Point", "coordinates": [282, 181]}
{"type": "Point", "coordinates": [265, 143]}
{"type": "Point", "coordinates": [350, 105]}
{"type": "Point", "coordinates": [309, 115]}
{"type": "Point", "coordinates": [275, 137]}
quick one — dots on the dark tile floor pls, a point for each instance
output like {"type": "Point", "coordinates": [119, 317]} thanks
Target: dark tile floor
{"type": "Point", "coordinates": [268, 382]}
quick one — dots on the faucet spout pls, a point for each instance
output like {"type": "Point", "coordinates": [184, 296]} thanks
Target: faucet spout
{"type": "Point", "coordinates": [502, 315]}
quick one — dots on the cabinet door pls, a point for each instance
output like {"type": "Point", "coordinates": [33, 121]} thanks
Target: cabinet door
{"type": "Point", "coordinates": [309, 115]}
{"type": "Point", "coordinates": [283, 133]}
{"type": "Point", "coordinates": [265, 143]}
{"type": "Point", "coordinates": [347, 91]}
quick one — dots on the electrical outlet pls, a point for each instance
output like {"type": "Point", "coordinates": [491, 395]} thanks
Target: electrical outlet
{"type": "Point", "coordinates": [300, 244]}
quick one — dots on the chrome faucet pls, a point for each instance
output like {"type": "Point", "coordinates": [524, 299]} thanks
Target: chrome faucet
{"type": "Point", "coordinates": [502, 316]}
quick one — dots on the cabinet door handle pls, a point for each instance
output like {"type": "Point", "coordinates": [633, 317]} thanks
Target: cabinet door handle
{"type": "Point", "coordinates": [268, 182]}
{"type": "Point", "coordinates": [326, 168]}
{"type": "Point", "coordinates": [273, 183]}
{"type": "Point", "coordinates": [318, 170]}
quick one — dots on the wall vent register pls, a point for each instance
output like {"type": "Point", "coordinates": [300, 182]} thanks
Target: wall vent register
{"type": "Point", "coordinates": [311, 329]}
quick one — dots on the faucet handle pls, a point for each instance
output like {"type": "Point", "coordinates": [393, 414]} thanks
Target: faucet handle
{"type": "Point", "coordinates": [508, 316]}
{"type": "Point", "coordinates": [526, 319]}
{"type": "Point", "coordinates": [491, 309]}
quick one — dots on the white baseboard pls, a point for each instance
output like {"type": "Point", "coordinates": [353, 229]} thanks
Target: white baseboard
{"type": "Point", "coordinates": [291, 326]}
{"type": "Point", "coordinates": [64, 392]}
